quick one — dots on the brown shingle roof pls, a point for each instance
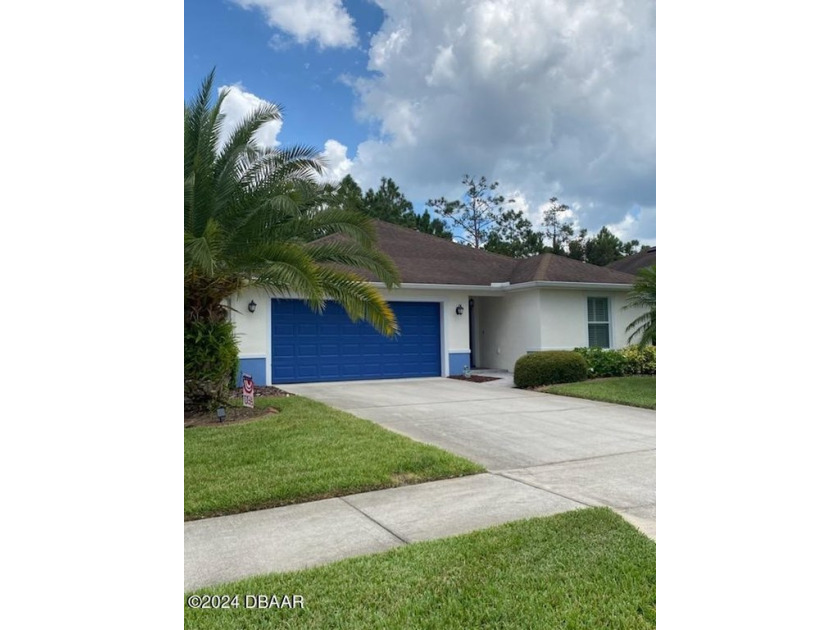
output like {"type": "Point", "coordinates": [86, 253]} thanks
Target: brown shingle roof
{"type": "Point", "coordinates": [426, 259]}
{"type": "Point", "coordinates": [632, 264]}
{"type": "Point", "coordinates": [552, 268]}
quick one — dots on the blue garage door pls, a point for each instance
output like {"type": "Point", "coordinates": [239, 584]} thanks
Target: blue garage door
{"type": "Point", "coordinates": [309, 347]}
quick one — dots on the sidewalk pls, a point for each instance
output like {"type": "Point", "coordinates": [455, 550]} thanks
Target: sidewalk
{"type": "Point", "coordinates": [229, 548]}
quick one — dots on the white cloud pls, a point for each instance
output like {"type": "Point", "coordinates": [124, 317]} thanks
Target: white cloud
{"type": "Point", "coordinates": [337, 163]}
{"type": "Point", "coordinates": [639, 224]}
{"type": "Point", "coordinates": [280, 42]}
{"type": "Point", "coordinates": [323, 21]}
{"type": "Point", "coordinates": [549, 97]}
{"type": "Point", "coordinates": [443, 70]}
{"type": "Point", "coordinates": [237, 104]}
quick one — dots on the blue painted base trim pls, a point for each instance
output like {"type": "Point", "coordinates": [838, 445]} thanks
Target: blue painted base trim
{"type": "Point", "coordinates": [457, 362]}
{"type": "Point", "coordinates": [254, 367]}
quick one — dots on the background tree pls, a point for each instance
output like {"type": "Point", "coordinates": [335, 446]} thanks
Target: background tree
{"type": "Point", "coordinates": [628, 248]}
{"type": "Point", "coordinates": [389, 204]}
{"type": "Point", "coordinates": [386, 203]}
{"type": "Point", "coordinates": [435, 227]}
{"type": "Point", "coordinates": [558, 231]}
{"type": "Point", "coordinates": [513, 235]}
{"type": "Point", "coordinates": [346, 195]}
{"type": "Point", "coordinates": [606, 247]}
{"type": "Point", "coordinates": [477, 213]}
{"type": "Point", "coordinates": [602, 249]}
{"type": "Point", "coordinates": [576, 247]}
{"type": "Point", "coordinates": [255, 217]}
{"type": "Point", "coordinates": [643, 296]}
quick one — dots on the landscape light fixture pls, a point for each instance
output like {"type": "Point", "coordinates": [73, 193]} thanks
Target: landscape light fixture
{"type": "Point", "coordinates": [459, 310]}
{"type": "Point", "coordinates": [220, 412]}
{"type": "Point", "coordinates": [252, 306]}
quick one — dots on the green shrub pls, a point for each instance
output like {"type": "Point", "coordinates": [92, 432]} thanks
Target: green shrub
{"type": "Point", "coordinates": [640, 360]}
{"type": "Point", "coordinates": [548, 368]}
{"type": "Point", "coordinates": [211, 360]}
{"type": "Point", "coordinates": [603, 363]}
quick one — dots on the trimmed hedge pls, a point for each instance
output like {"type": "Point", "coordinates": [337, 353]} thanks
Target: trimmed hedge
{"type": "Point", "coordinates": [549, 368]}
{"type": "Point", "coordinates": [630, 360]}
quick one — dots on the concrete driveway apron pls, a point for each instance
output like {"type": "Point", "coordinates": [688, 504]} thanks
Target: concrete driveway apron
{"type": "Point", "coordinates": [597, 454]}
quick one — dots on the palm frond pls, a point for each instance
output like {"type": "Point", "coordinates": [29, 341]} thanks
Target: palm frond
{"type": "Point", "coordinates": [643, 295]}
{"type": "Point", "coordinates": [354, 225]}
{"type": "Point", "coordinates": [189, 200]}
{"type": "Point", "coordinates": [241, 138]}
{"type": "Point", "coordinates": [252, 216]}
{"type": "Point", "coordinates": [286, 268]}
{"type": "Point", "coordinates": [194, 115]}
{"type": "Point", "coordinates": [269, 168]}
{"type": "Point", "coordinates": [354, 255]}
{"type": "Point", "coordinates": [359, 300]}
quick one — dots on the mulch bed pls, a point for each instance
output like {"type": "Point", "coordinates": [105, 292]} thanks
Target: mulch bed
{"type": "Point", "coordinates": [474, 378]}
{"type": "Point", "coordinates": [237, 414]}
{"type": "Point", "coordinates": [269, 392]}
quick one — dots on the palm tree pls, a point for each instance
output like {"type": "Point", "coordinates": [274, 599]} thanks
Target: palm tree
{"type": "Point", "coordinates": [255, 217]}
{"type": "Point", "coordinates": [643, 296]}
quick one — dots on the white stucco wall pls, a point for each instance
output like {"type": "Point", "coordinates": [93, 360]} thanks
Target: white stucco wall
{"type": "Point", "coordinates": [564, 323]}
{"type": "Point", "coordinates": [251, 328]}
{"type": "Point", "coordinates": [508, 325]}
{"type": "Point", "coordinates": [622, 318]}
{"type": "Point", "coordinates": [517, 322]}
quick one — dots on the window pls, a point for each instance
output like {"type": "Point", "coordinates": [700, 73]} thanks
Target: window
{"type": "Point", "coordinates": [599, 322]}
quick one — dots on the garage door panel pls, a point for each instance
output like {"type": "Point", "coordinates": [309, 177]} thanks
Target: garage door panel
{"type": "Point", "coordinates": [310, 347]}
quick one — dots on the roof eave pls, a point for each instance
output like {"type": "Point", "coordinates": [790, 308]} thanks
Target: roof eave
{"type": "Point", "coordinates": [472, 288]}
{"type": "Point", "coordinates": [522, 286]}
{"type": "Point", "coordinates": [554, 284]}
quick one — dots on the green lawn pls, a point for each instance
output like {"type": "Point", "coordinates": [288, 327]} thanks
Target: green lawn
{"type": "Point", "coordinates": [308, 451]}
{"type": "Point", "coordinates": [580, 570]}
{"type": "Point", "coordinates": [636, 391]}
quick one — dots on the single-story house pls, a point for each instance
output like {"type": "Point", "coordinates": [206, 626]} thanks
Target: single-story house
{"type": "Point", "coordinates": [635, 262]}
{"type": "Point", "coordinates": [457, 306]}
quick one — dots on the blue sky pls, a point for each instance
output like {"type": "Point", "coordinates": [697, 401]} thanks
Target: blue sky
{"type": "Point", "coordinates": [267, 62]}
{"type": "Point", "coordinates": [548, 97]}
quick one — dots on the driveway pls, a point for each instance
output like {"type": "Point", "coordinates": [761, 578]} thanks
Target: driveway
{"type": "Point", "coordinates": [594, 453]}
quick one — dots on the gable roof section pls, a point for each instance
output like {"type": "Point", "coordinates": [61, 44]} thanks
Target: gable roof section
{"type": "Point", "coordinates": [632, 264]}
{"type": "Point", "coordinates": [553, 268]}
{"type": "Point", "coordinates": [425, 259]}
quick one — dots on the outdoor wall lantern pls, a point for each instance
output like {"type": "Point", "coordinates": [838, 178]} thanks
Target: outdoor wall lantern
{"type": "Point", "coordinates": [252, 306]}
{"type": "Point", "coordinates": [220, 412]}
{"type": "Point", "coordinates": [459, 310]}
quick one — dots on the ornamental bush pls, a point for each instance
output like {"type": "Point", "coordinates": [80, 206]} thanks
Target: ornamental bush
{"type": "Point", "coordinates": [211, 361]}
{"type": "Point", "coordinates": [548, 368]}
{"type": "Point", "coordinates": [603, 363]}
{"type": "Point", "coordinates": [640, 360]}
